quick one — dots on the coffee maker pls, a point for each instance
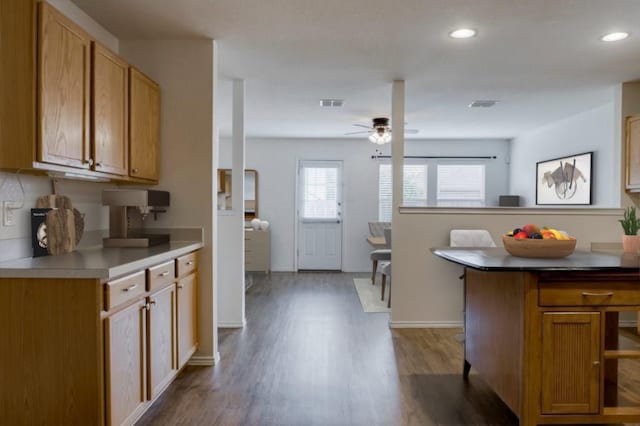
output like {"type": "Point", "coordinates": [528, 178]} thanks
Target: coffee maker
{"type": "Point", "coordinates": [128, 210]}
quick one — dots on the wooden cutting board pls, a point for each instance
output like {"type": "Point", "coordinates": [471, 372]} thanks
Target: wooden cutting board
{"type": "Point", "coordinates": [54, 202]}
{"type": "Point", "coordinates": [61, 231]}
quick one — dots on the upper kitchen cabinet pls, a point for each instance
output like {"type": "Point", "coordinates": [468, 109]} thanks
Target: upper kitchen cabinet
{"type": "Point", "coordinates": [144, 127]}
{"type": "Point", "coordinates": [633, 153]}
{"type": "Point", "coordinates": [110, 111]}
{"type": "Point", "coordinates": [65, 107]}
{"type": "Point", "coordinates": [64, 90]}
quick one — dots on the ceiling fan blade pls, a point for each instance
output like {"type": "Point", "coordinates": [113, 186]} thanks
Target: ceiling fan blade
{"type": "Point", "coordinates": [411, 131]}
{"type": "Point", "coordinates": [361, 125]}
{"type": "Point", "coordinates": [358, 132]}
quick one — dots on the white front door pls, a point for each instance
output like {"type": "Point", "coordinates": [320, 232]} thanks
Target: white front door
{"type": "Point", "coordinates": [319, 213]}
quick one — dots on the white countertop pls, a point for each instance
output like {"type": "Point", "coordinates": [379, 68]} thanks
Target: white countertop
{"type": "Point", "coordinates": [96, 262]}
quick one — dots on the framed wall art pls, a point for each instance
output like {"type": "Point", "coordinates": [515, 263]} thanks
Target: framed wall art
{"type": "Point", "coordinates": [564, 181]}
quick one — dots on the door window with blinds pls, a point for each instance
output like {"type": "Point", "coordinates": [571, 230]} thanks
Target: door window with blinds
{"type": "Point", "coordinates": [451, 185]}
{"type": "Point", "coordinates": [414, 191]}
{"type": "Point", "coordinates": [320, 190]}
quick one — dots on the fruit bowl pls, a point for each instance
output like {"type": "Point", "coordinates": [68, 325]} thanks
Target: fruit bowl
{"type": "Point", "coordinates": [550, 249]}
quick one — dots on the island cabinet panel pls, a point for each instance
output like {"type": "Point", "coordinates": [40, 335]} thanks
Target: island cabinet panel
{"type": "Point", "coordinates": [144, 127]}
{"type": "Point", "coordinates": [570, 363]}
{"type": "Point", "coordinates": [110, 112]}
{"type": "Point", "coordinates": [125, 363]}
{"type": "Point", "coordinates": [64, 89]}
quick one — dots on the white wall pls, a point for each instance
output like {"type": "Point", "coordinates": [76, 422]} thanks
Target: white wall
{"type": "Point", "coordinates": [185, 70]}
{"type": "Point", "coordinates": [77, 15]}
{"type": "Point", "coordinates": [591, 130]}
{"type": "Point", "coordinates": [85, 196]}
{"type": "Point", "coordinates": [276, 160]}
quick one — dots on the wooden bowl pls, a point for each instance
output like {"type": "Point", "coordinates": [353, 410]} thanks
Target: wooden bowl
{"type": "Point", "coordinates": [549, 249]}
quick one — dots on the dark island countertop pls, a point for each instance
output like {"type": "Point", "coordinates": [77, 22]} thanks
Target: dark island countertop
{"type": "Point", "coordinates": [497, 259]}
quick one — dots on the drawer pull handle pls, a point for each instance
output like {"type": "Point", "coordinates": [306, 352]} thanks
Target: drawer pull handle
{"type": "Point", "coordinates": [189, 263]}
{"type": "Point", "coordinates": [164, 274]}
{"type": "Point", "coordinates": [180, 286]}
{"type": "Point", "coordinates": [130, 288]}
{"type": "Point", "coordinates": [607, 294]}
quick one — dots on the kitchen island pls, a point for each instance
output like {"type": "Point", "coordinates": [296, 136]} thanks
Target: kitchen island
{"type": "Point", "coordinates": [543, 333]}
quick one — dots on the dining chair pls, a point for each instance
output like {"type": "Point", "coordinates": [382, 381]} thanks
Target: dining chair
{"type": "Point", "coordinates": [381, 255]}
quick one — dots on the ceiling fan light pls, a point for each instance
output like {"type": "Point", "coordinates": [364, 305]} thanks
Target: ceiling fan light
{"type": "Point", "coordinates": [380, 138]}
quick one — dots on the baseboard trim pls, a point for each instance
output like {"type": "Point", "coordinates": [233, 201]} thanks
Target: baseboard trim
{"type": "Point", "coordinates": [204, 360]}
{"type": "Point", "coordinates": [425, 324]}
{"type": "Point", "coordinates": [232, 324]}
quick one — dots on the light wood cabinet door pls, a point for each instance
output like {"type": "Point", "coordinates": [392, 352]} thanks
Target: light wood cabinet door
{"type": "Point", "coordinates": [64, 89]}
{"type": "Point", "coordinates": [110, 112]}
{"type": "Point", "coordinates": [144, 127]}
{"type": "Point", "coordinates": [125, 365]}
{"type": "Point", "coordinates": [161, 343]}
{"type": "Point", "coordinates": [187, 318]}
{"type": "Point", "coordinates": [633, 153]}
{"type": "Point", "coordinates": [570, 363]}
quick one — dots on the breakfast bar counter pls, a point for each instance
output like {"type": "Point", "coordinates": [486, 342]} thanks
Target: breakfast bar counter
{"type": "Point", "coordinates": [543, 333]}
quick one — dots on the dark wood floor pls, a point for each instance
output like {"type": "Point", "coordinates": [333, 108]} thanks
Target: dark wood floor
{"type": "Point", "coordinates": [310, 356]}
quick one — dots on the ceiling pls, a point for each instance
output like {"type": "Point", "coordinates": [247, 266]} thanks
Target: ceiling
{"type": "Point", "coordinates": [542, 59]}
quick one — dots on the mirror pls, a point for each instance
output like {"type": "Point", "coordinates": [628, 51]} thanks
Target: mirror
{"type": "Point", "coordinates": [250, 192]}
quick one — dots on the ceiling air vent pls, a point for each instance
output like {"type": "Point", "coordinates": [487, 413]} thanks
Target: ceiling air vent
{"type": "Point", "coordinates": [331, 103]}
{"type": "Point", "coordinates": [482, 104]}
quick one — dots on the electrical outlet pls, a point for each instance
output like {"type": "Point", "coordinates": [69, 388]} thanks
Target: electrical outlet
{"type": "Point", "coordinates": [9, 212]}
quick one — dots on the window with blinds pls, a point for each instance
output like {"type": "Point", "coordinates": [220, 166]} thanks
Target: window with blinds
{"type": "Point", "coordinates": [460, 185]}
{"type": "Point", "coordinates": [320, 192]}
{"type": "Point", "coordinates": [414, 189]}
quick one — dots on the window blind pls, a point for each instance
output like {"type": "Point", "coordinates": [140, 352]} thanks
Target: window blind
{"type": "Point", "coordinates": [461, 185]}
{"type": "Point", "coordinates": [414, 191]}
{"type": "Point", "coordinates": [320, 193]}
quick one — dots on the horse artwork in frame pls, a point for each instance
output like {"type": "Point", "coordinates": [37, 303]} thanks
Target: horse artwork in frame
{"type": "Point", "coordinates": [564, 181]}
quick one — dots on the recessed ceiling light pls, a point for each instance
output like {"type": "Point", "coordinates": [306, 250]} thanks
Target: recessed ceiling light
{"type": "Point", "coordinates": [615, 36]}
{"type": "Point", "coordinates": [463, 33]}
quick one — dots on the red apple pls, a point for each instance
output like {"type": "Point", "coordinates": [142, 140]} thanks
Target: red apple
{"type": "Point", "coordinates": [530, 229]}
{"type": "Point", "coordinates": [521, 235]}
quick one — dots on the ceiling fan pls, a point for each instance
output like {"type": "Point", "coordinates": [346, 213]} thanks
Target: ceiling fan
{"type": "Point", "coordinates": [379, 131]}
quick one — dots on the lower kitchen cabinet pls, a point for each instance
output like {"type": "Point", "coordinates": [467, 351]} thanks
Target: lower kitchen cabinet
{"type": "Point", "coordinates": [187, 318]}
{"type": "Point", "coordinates": [88, 352]}
{"type": "Point", "coordinates": [161, 339]}
{"type": "Point", "coordinates": [125, 361]}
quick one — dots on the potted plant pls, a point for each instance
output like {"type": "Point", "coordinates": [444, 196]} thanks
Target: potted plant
{"type": "Point", "coordinates": [630, 224]}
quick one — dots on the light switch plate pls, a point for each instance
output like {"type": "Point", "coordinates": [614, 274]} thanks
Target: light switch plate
{"type": "Point", "coordinates": [9, 209]}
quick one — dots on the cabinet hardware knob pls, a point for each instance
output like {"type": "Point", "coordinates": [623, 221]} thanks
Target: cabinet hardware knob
{"type": "Point", "coordinates": [596, 363]}
{"type": "Point", "coordinates": [189, 263]}
{"type": "Point", "coordinates": [606, 294]}
{"type": "Point", "coordinates": [130, 287]}
{"type": "Point", "coordinates": [134, 170]}
{"type": "Point", "coordinates": [145, 307]}
{"type": "Point", "coordinates": [152, 301]}
{"type": "Point", "coordinates": [180, 286]}
{"type": "Point", "coordinates": [89, 161]}
{"type": "Point", "coordinates": [164, 274]}
{"type": "Point", "coordinates": [98, 164]}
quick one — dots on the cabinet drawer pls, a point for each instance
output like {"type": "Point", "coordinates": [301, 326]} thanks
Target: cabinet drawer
{"type": "Point", "coordinates": [123, 290]}
{"type": "Point", "coordinates": [186, 264]}
{"type": "Point", "coordinates": [161, 275]}
{"type": "Point", "coordinates": [584, 293]}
